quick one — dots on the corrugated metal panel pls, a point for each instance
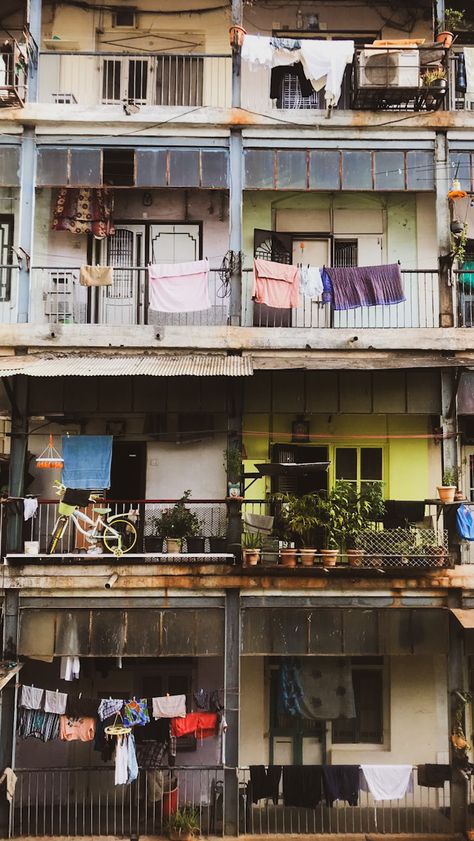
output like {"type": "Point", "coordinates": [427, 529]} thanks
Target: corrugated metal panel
{"type": "Point", "coordinates": [77, 365]}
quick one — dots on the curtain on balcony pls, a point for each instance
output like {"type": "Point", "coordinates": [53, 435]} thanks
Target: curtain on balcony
{"type": "Point", "coordinates": [83, 211]}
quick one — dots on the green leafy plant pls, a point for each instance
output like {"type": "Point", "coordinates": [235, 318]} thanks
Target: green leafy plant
{"type": "Point", "coordinates": [435, 75]}
{"type": "Point", "coordinates": [299, 518]}
{"type": "Point", "coordinates": [454, 19]}
{"type": "Point", "coordinates": [458, 245]}
{"type": "Point", "coordinates": [252, 540]}
{"type": "Point", "coordinates": [178, 521]}
{"type": "Point", "coordinates": [451, 477]}
{"type": "Point", "coordinates": [233, 462]}
{"type": "Point", "coordinates": [185, 821]}
{"type": "Point", "coordinates": [345, 512]}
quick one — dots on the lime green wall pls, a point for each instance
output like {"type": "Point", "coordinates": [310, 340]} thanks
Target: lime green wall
{"type": "Point", "coordinates": [408, 473]}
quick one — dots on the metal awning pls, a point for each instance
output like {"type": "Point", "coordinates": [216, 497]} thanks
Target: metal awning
{"type": "Point", "coordinates": [7, 671]}
{"type": "Point", "coordinates": [150, 365]}
{"type": "Point", "coordinates": [465, 616]}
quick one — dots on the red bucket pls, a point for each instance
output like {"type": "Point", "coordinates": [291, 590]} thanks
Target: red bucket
{"type": "Point", "coordinates": [170, 800]}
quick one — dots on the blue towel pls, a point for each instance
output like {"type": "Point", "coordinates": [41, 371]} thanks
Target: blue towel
{"type": "Point", "coordinates": [87, 461]}
{"type": "Point", "coordinates": [465, 523]}
{"type": "Point", "coordinates": [328, 291]}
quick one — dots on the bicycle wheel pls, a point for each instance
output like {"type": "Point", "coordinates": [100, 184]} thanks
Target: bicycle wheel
{"type": "Point", "coordinates": [58, 531]}
{"type": "Point", "coordinates": [126, 535]}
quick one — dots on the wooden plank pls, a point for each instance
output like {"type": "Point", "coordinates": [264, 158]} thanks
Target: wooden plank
{"type": "Point", "coordinates": [6, 672]}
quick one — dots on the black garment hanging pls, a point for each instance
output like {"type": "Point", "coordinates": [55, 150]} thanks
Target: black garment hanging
{"type": "Point", "coordinates": [302, 785]}
{"type": "Point", "coordinates": [278, 74]}
{"type": "Point", "coordinates": [264, 782]}
{"type": "Point", "coordinates": [341, 782]}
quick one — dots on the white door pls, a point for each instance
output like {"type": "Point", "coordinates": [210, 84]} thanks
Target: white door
{"type": "Point", "coordinates": [127, 79]}
{"type": "Point", "coordinates": [312, 252]}
{"type": "Point", "coordinates": [122, 303]}
{"type": "Point", "coordinates": [174, 243]}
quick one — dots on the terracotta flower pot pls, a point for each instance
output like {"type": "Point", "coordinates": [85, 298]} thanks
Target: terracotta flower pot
{"type": "Point", "coordinates": [307, 557]}
{"type": "Point", "coordinates": [355, 557]}
{"type": "Point", "coordinates": [329, 557]}
{"type": "Point", "coordinates": [446, 493]}
{"type": "Point", "coordinates": [288, 557]}
{"type": "Point", "coordinates": [445, 38]}
{"type": "Point", "coordinates": [251, 557]}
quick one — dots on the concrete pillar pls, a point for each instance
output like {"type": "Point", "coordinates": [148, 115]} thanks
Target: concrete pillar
{"type": "Point", "coordinates": [236, 180]}
{"type": "Point", "coordinates": [234, 440]}
{"type": "Point", "coordinates": [232, 709]}
{"type": "Point", "coordinates": [26, 219]}
{"type": "Point", "coordinates": [8, 698]}
{"type": "Point", "coordinates": [34, 25]}
{"type": "Point", "coordinates": [18, 449]}
{"type": "Point", "coordinates": [448, 417]}
{"type": "Point", "coordinates": [446, 310]}
{"type": "Point", "coordinates": [459, 782]}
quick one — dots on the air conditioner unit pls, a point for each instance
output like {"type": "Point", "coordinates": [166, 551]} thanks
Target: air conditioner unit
{"type": "Point", "coordinates": [389, 69]}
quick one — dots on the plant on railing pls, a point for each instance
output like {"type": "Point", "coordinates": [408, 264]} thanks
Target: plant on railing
{"type": "Point", "coordinates": [183, 824]}
{"type": "Point", "coordinates": [177, 522]}
{"type": "Point", "coordinates": [434, 77]}
{"type": "Point", "coordinates": [299, 518]}
{"type": "Point", "coordinates": [345, 512]}
{"type": "Point", "coordinates": [458, 245]}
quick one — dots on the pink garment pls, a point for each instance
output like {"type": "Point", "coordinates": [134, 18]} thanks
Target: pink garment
{"type": "Point", "coordinates": [276, 284]}
{"type": "Point", "coordinates": [76, 729]}
{"type": "Point", "coordinates": [179, 287]}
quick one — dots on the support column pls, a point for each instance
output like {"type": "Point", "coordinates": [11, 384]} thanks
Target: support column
{"type": "Point", "coordinates": [443, 231]}
{"type": "Point", "coordinates": [459, 782]}
{"type": "Point", "coordinates": [448, 417]}
{"type": "Point", "coordinates": [26, 219]}
{"type": "Point", "coordinates": [18, 449]}
{"type": "Point", "coordinates": [7, 698]}
{"type": "Point", "coordinates": [232, 705]}
{"type": "Point", "coordinates": [236, 178]}
{"type": "Point", "coordinates": [34, 25]}
{"type": "Point", "coordinates": [234, 441]}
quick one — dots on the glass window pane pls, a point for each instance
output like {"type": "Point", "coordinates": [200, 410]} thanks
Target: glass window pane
{"type": "Point", "coordinates": [324, 170]}
{"type": "Point", "coordinates": [150, 167]}
{"type": "Point", "coordinates": [214, 169]}
{"type": "Point", "coordinates": [184, 168]}
{"type": "Point", "coordinates": [371, 463]}
{"type": "Point", "coordinates": [10, 166]}
{"type": "Point", "coordinates": [291, 173]}
{"type": "Point", "coordinates": [356, 171]}
{"type": "Point", "coordinates": [52, 167]}
{"type": "Point", "coordinates": [460, 167]}
{"type": "Point", "coordinates": [420, 171]}
{"type": "Point", "coordinates": [389, 171]}
{"type": "Point", "coordinates": [346, 463]}
{"type": "Point", "coordinates": [259, 168]}
{"type": "Point", "coordinates": [85, 168]}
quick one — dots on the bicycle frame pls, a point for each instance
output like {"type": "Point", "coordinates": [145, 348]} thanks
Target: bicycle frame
{"type": "Point", "coordinates": [92, 533]}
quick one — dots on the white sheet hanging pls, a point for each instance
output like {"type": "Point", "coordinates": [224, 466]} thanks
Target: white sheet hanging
{"type": "Point", "coordinates": [387, 782]}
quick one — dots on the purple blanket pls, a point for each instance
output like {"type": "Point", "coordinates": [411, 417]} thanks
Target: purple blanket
{"type": "Point", "coordinates": [366, 286]}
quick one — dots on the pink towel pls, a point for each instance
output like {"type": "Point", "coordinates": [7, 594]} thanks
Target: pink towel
{"type": "Point", "coordinates": [179, 287]}
{"type": "Point", "coordinates": [276, 284]}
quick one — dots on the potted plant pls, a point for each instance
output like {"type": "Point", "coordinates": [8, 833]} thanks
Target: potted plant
{"type": "Point", "coordinates": [183, 824]}
{"type": "Point", "coordinates": [177, 523]}
{"type": "Point", "coordinates": [345, 513]}
{"type": "Point", "coordinates": [233, 467]}
{"type": "Point", "coordinates": [251, 547]}
{"type": "Point", "coordinates": [434, 78]}
{"type": "Point", "coordinates": [458, 245]}
{"type": "Point", "coordinates": [299, 519]}
{"type": "Point", "coordinates": [447, 489]}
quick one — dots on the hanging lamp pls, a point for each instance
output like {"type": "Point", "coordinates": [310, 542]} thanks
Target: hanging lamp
{"type": "Point", "coordinates": [455, 192]}
{"type": "Point", "coordinates": [50, 458]}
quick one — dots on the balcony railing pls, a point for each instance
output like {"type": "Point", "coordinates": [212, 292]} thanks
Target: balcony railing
{"type": "Point", "coordinates": [420, 309]}
{"type": "Point", "coordinates": [105, 78]}
{"type": "Point", "coordinates": [399, 78]}
{"type": "Point", "coordinates": [464, 286]}
{"type": "Point", "coordinates": [79, 801]}
{"type": "Point", "coordinates": [13, 75]}
{"type": "Point", "coordinates": [58, 298]}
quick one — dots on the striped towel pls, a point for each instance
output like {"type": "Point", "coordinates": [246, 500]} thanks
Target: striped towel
{"type": "Point", "coordinates": [366, 286]}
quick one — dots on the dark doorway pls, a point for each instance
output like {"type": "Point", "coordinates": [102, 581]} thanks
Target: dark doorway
{"type": "Point", "coordinates": [128, 472]}
{"type": "Point", "coordinates": [302, 483]}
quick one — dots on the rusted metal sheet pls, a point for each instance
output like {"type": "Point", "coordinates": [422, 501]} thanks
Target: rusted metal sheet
{"type": "Point", "coordinates": [464, 615]}
{"type": "Point", "coordinates": [153, 365]}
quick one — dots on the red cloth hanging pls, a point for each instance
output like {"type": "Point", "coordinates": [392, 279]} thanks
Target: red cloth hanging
{"type": "Point", "coordinates": [201, 725]}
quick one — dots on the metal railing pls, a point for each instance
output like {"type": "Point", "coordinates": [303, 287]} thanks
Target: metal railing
{"type": "Point", "coordinates": [107, 78]}
{"type": "Point", "coordinates": [422, 810]}
{"type": "Point", "coordinates": [212, 516]}
{"type": "Point", "coordinates": [59, 298]}
{"type": "Point", "coordinates": [420, 309]}
{"type": "Point", "coordinates": [84, 801]}
{"type": "Point", "coordinates": [464, 289]}
{"type": "Point", "coordinates": [13, 75]}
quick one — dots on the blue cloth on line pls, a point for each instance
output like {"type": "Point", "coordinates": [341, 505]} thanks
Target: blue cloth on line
{"type": "Point", "coordinates": [465, 523]}
{"type": "Point", "coordinates": [87, 461]}
{"type": "Point", "coordinates": [132, 760]}
{"type": "Point", "coordinates": [328, 291]}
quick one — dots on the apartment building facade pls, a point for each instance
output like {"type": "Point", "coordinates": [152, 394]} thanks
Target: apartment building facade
{"type": "Point", "coordinates": [133, 137]}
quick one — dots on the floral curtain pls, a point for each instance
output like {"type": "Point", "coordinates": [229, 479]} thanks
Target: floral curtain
{"type": "Point", "coordinates": [84, 210]}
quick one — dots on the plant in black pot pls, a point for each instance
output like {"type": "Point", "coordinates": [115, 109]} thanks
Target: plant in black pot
{"type": "Point", "coordinates": [177, 523]}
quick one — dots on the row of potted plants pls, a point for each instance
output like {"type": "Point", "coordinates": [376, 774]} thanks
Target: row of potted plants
{"type": "Point", "coordinates": [177, 524]}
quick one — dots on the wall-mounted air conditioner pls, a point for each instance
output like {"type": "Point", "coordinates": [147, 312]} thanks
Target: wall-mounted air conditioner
{"type": "Point", "coordinates": [389, 69]}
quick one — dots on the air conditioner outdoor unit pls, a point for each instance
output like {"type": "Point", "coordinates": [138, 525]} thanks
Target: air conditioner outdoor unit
{"type": "Point", "coordinates": [389, 69]}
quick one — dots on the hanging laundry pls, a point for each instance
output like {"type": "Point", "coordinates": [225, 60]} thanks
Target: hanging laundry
{"type": "Point", "coordinates": [302, 785]}
{"type": "Point", "coordinates": [341, 782]}
{"type": "Point", "coordinates": [96, 276]}
{"type": "Point", "coordinates": [386, 782]}
{"type": "Point", "coordinates": [258, 50]}
{"type": "Point", "coordinates": [279, 74]}
{"type": "Point", "coordinates": [78, 707]}
{"type": "Point", "coordinates": [135, 712]}
{"type": "Point", "coordinates": [179, 287]}
{"type": "Point", "coordinates": [264, 782]}
{"type": "Point", "coordinates": [324, 64]}
{"type": "Point", "coordinates": [327, 688]}
{"type": "Point", "coordinates": [87, 461]}
{"type": "Point", "coordinates": [121, 761]}
{"type": "Point", "coordinates": [290, 691]}
{"type": "Point", "coordinates": [10, 779]}
{"type": "Point", "coordinates": [30, 507]}
{"type": "Point", "coordinates": [202, 725]}
{"type": "Point", "coordinates": [76, 729]}
{"type": "Point", "coordinates": [276, 284]}
{"type": "Point", "coordinates": [84, 211]}
{"type": "Point", "coordinates": [328, 291]}
{"type": "Point", "coordinates": [366, 286]}
{"type": "Point", "coordinates": [201, 699]}
{"type": "Point", "coordinates": [38, 724]}
{"type": "Point", "coordinates": [132, 763]}
{"type": "Point", "coordinates": [469, 61]}
{"type": "Point", "coordinates": [433, 775]}
{"type": "Point", "coordinates": [216, 701]}
{"type": "Point", "coordinates": [465, 523]}
{"type": "Point", "coordinates": [108, 707]}
{"type": "Point", "coordinates": [169, 706]}
{"type": "Point", "coordinates": [31, 697]}
{"type": "Point", "coordinates": [70, 668]}
{"type": "Point", "coordinates": [222, 728]}
{"type": "Point", "coordinates": [311, 282]}
{"type": "Point", "coordinates": [55, 702]}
